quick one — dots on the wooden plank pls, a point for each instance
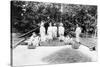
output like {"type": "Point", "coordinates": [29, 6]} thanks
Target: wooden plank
{"type": "Point", "coordinates": [18, 43]}
{"type": "Point", "coordinates": [31, 31]}
{"type": "Point", "coordinates": [28, 32]}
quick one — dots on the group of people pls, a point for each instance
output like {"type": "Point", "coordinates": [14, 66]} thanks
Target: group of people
{"type": "Point", "coordinates": [52, 32]}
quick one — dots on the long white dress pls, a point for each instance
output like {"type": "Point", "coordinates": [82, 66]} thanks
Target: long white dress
{"type": "Point", "coordinates": [61, 30]}
{"type": "Point", "coordinates": [54, 31]}
{"type": "Point", "coordinates": [61, 33]}
{"type": "Point", "coordinates": [78, 31]}
{"type": "Point", "coordinates": [49, 32]}
{"type": "Point", "coordinates": [42, 33]}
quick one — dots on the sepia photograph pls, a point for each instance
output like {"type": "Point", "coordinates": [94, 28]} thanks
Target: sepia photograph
{"type": "Point", "coordinates": [52, 33]}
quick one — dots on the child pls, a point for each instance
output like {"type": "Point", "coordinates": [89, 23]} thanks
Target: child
{"type": "Point", "coordinates": [68, 40]}
{"type": "Point", "coordinates": [34, 41]}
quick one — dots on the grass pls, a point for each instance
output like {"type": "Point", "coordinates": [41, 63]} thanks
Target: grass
{"type": "Point", "coordinates": [89, 42]}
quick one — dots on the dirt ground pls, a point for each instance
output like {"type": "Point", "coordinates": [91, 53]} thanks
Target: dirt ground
{"type": "Point", "coordinates": [54, 54]}
{"type": "Point", "coordinates": [51, 55]}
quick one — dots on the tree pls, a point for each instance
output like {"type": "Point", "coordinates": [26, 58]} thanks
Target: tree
{"type": "Point", "coordinates": [26, 15]}
{"type": "Point", "coordinates": [32, 13]}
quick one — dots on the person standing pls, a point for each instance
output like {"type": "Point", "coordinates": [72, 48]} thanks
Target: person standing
{"type": "Point", "coordinates": [61, 31]}
{"type": "Point", "coordinates": [49, 31]}
{"type": "Point", "coordinates": [78, 32]}
{"type": "Point", "coordinates": [42, 31]}
{"type": "Point", "coordinates": [54, 31]}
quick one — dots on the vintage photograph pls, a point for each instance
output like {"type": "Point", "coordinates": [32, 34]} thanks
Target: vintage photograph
{"type": "Point", "coordinates": [52, 33]}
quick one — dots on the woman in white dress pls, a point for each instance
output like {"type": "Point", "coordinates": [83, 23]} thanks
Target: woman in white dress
{"type": "Point", "coordinates": [42, 31]}
{"type": "Point", "coordinates": [49, 31]}
{"type": "Point", "coordinates": [78, 32]}
{"type": "Point", "coordinates": [61, 31]}
{"type": "Point", "coordinates": [54, 31]}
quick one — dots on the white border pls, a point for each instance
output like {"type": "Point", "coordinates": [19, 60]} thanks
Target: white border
{"type": "Point", "coordinates": [5, 32]}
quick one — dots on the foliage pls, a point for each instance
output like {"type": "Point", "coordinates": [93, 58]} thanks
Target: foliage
{"type": "Point", "coordinates": [26, 15]}
{"type": "Point", "coordinates": [34, 13]}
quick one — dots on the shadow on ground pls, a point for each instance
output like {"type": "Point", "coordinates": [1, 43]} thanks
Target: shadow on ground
{"type": "Point", "coordinates": [66, 56]}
